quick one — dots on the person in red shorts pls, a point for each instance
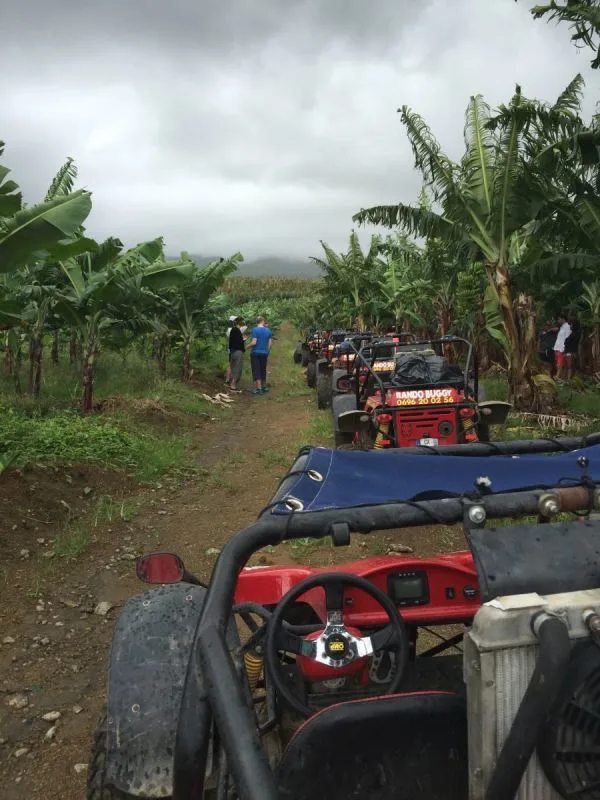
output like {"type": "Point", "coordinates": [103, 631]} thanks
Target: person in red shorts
{"type": "Point", "coordinates": [559, 346]}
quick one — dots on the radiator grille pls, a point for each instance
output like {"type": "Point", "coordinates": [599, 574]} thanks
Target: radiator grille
{"type": "Point", "coordinates": [513, 670]}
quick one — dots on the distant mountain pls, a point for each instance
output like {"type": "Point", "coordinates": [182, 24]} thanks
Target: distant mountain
{"type": "Point", "coordinates": [269, 265]}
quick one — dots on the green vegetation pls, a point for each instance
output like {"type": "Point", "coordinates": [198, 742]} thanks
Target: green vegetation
{"type": "Point", "coordinates": [61, 292]}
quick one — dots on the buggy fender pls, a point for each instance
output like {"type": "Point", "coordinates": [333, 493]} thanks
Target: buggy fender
{"type": "Point", "coordinates": [353, 422]}
{"type": "Point", "coordinates": [323, 366]}
{"type": "Point", "coordinates": [151, 648]}
{"type": "Point", "coordinates": [494, 412]}
{"type": "Point", "coordinates": [336, 376]}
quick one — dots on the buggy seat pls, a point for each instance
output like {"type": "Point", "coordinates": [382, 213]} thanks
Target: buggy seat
{"type": "Point", "coordinates": [395, 747]}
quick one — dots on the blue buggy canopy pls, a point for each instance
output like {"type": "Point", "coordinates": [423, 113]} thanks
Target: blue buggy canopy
{"type": "Point", "coordinates": [329, 479]}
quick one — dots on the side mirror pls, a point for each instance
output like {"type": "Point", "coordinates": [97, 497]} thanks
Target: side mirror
{"type": "Point", "coordinates": [160, 568]}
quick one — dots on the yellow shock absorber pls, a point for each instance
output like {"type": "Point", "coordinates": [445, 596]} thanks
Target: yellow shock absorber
{"type": "Point", "coordinates": [254, 667]}
{"type": "Point", "coordinates": [382, 431]}
{"type": "Point", "coordinates": [469, 429]}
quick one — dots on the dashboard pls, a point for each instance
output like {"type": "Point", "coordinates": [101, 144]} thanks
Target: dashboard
{"type": "Point", "coordinates": [441, 589]}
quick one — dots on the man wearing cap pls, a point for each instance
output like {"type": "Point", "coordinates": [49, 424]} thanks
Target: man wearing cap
{"type": "Point", "coordinates": [232, 319]}
{"type": "Point", "coordinates": [237, 348]}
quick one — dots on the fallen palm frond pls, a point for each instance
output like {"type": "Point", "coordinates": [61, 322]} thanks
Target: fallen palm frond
{"type": "Point", "coordinates": [560, 422]}
{"type": "Point", "coordinates": [220, 399]}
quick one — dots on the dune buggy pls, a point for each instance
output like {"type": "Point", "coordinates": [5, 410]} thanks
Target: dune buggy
{"type": "Point", "coordinates": [323, 355]}
{"type": "Point", "coordinates": [410, 394]}
{"type": "Point", "coordinates": [282, 683]}
{"type": "Point", "coordinates": [338, 361]}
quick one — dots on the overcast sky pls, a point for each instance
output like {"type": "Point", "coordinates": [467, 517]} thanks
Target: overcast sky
{"type": "Point", "coordinates": [259, 125]}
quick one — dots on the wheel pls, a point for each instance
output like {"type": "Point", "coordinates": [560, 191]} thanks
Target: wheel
{"type": "Point", "coordinates": [298, 354]}
{"type": "Point", "coordinates": [96, 788]}
{"type": "Point", "coordinates": [304, 357]}
{"type": "Point", "coordinates": [324, 392]}
{"type": "Point", "coordinates": [311, 374]}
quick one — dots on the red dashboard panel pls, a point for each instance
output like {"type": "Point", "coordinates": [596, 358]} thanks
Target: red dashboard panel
{"type": "Point", "coordinates": [439, 589]}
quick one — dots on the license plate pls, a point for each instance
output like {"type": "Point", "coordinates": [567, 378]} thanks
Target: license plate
{"type": "Point", "coordinates": [428, 442]}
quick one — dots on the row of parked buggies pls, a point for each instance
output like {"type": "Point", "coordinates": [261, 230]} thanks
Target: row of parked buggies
{"type": "Point", "coordinates": [397, 391]}
{"type": "Point", "coordinates": [469, 675]}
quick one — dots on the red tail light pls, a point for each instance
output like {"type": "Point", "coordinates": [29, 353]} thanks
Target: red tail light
{"type": "Point", "coordinates": [467, 412]}
{"type": "Point", "coordinates": [470, 437]}
{"type": "Point", "coordinates": [384, 417]}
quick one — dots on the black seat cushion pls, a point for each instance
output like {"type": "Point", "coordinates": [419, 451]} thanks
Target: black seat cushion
{"type": "Point", "coordinates": [397, 747]}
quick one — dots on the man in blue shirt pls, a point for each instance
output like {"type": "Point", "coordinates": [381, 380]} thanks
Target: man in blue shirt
{"type": "Point", "coordinates": [262, 339]}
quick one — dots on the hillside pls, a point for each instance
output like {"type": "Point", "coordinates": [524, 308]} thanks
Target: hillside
{"type": "Point", "coordinates": [270, 265]}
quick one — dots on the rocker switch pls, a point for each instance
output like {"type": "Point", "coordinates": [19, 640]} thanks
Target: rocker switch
{"type": "Point", "coordinates": [450, 593]}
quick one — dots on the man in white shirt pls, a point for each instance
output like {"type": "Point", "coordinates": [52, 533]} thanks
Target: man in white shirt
{"type": "Point", "coordinates": [559, 347]}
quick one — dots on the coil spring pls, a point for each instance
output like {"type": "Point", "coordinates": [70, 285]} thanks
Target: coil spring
{"type": "Point", "coordinates": [469, 427]}
{"type": "Point", "coordinates": [254, 667]}
{"type": "Point", "coordinates": [382, 433]}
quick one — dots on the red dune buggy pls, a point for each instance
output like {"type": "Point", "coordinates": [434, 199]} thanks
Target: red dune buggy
{"type": "Point", "coordinates": [338, 360]}
{"type": "Point", "coordinates": [321, 357]}
{"type": "Point", "coordinates": [410, 394]}
{"type": "Point", "coordinates": [290, 683]}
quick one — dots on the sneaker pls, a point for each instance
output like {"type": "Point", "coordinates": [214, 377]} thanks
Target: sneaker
{"type": "Point", "coordinates": [265, 389]}
{"type": "Point", "coordinates": [257, 391]}
{"type": "Point", "coordinates": [226, 383]}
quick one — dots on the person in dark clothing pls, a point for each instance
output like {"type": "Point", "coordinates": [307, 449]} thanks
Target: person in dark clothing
{"type": "Point", "coordinates": [237, 348]}
{"type": "Point", "coordinates": [572, 345]}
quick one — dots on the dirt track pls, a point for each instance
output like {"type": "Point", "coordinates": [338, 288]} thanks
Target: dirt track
{"type": "Point", "coordinates": [54, 647]}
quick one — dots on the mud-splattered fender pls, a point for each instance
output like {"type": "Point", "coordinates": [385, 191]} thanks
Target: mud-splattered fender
{"type": "Point", "coordinates": [149, 658]}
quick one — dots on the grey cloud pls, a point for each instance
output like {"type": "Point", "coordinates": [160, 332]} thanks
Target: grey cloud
{"type": "Point", "coordinates": [260, 126]}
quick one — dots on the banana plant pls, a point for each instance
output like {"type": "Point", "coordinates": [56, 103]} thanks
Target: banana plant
{"type": "Point", "coordinates": [102, 287]}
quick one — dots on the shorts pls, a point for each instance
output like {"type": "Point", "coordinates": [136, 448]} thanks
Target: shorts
{"type": "Point", "coordinates": [559, 359]}
{"type": "Point", "coordinates": [258, 362]}
{"type": "Point", "coordinates": [236, 361]}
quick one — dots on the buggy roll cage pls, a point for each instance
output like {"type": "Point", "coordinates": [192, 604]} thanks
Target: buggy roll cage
{"type": "Point", "coordinates": [471, 366]}
{"type": "Point", "coordinates": [213, 673]}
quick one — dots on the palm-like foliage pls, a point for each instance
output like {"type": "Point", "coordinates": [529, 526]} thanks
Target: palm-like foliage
{"type": "Point", "coordinates": [484, 204]}
{"type": "Point", "coordinates": [583, 18]}
{"type": "Point", "coordinates": [52, 276]}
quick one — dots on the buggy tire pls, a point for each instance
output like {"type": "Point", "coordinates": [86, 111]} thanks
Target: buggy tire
{"type": "Point", "coordinates": [96, 787]}
{"type": "Point", "coordinates": [298, 354]}
{"type": "Point", "coordinates": [324, 392]}
{"type": "Point", "coordinates": [311, 374]}
{"type": "Point", "coordinates": [304, 357]}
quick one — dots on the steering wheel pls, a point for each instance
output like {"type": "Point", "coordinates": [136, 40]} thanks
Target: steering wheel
{"type": "Point", "coordinates": [335, 647]}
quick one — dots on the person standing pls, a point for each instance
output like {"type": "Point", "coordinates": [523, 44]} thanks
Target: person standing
{"type": "Point", "coordinates": [262, 339]}
{"type": "Point", "coordinates": [232, 318]}
{"type": "Point", "coordinates": [237, 348]}
{"type": "Point", "coordinates": [559, 346]}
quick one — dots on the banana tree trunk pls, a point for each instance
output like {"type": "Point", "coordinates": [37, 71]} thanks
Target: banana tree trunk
{"type": "Point", "coordinates": [73, 349]}
{"type": "Point", "coordinates": [8, 358]}
{"type": "Point", "coordinates": [17, 360]}
{"type": "Point", "coordinates": [87, 399]}
{"type": "Point", "coordinates": [161, 353]}
{"type": "Point", "coordinates": [482, 342]}
{"type": "Point", "coordinates": [186, 370]}
{"type": "Point", "coordinates": [36, 348]}
{"type": "Point", "coordinates": [594, 339]}
{"type": "Point", "coordinates": [54, 353]}
{"type": "Point", "coordinates": [520, 383]}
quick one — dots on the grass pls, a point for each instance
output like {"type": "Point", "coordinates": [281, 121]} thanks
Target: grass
{"type": "Point", "coordinates": [110, 509]}
{"type": "Point", "coordinates": [129, 434]}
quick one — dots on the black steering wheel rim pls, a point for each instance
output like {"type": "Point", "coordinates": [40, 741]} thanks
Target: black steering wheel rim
{"type": "Point", "coordinates": [393, 636]}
